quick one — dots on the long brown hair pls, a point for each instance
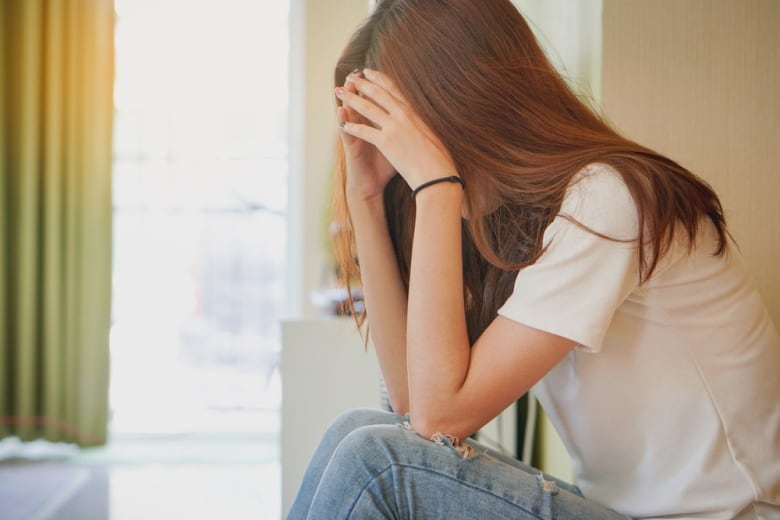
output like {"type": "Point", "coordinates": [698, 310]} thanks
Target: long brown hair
{"type": "Point", "coordinates": [473, 71]}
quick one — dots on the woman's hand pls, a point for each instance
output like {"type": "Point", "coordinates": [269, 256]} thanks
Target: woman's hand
{"type": "Point", "coordinates": [376, 115]}
{"type": "Point", "coordinates": [368, 171]}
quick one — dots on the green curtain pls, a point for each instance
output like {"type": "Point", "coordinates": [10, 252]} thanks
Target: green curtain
{"type": "Point", "coordinates": [56, 110]}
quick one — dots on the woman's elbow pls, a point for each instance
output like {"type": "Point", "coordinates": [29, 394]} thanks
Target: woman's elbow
{"type": "Point", "coordinates": [398, 406]}
{"type": "Point", "coordinates": [430, 425]}
{"type": "Point", "coordinates": [423, 428]}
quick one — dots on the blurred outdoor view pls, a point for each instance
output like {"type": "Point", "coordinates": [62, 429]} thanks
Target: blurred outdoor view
{"type": "Point", "coordinates": [200, 179]}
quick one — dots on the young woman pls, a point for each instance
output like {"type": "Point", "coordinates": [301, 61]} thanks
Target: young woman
{"type": "Point", "coordinates": [506, 238]}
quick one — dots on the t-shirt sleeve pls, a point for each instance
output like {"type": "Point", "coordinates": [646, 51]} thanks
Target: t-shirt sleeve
{"type": "Point", "coordinates": [575, 287]}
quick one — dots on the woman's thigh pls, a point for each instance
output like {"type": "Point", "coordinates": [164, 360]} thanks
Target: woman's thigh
{"type": "Point", "coordinates": [387, 471]}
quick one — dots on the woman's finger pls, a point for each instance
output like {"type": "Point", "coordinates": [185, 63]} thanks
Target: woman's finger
{"type": "Point", "coordinates": [377, 94]}
{"type": "Point", "coordinates": [342, 116]}
{"type": "Point", "coordinates": [352, 115]}
{"type": "Point", "coordinates": [365, 132]}
{"type": "Point", "coordinates": [372, 112]}
{"type": "Point", "coordinates": [351, 125]}
{"type": "Point", "coordinates": [384, 81]}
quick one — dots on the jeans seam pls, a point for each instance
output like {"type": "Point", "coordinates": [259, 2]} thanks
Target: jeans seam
{"type": "Point", "coordinates": [444, 475]}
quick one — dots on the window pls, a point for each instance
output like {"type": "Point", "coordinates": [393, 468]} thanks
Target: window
{"type": "Point", "coordinates": [200, 180]}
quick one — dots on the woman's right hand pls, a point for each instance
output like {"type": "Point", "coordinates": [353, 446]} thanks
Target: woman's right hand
{"type": "Point", "coordinates": [368, 171]}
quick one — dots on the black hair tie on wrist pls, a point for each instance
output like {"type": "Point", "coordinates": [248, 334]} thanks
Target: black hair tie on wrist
{"type": "Point", "coordinates": [451, 178]}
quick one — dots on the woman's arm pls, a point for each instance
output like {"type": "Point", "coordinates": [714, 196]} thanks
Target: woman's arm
{"type": "Point", "coordinates": [384, 297]}
{"type": "Point", "coordinates": [455, 388]}
{"type": "Point", "coordinates": [368, 172]}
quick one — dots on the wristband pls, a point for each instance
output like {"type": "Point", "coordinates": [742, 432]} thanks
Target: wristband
{"type": "Point", "coordinates": [451, 178]}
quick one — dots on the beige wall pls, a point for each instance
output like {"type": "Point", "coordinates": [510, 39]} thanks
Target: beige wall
{"type": "Point", "coordinates": [699, 81]}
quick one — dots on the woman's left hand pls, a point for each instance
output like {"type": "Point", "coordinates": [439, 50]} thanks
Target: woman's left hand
{"type": "Point", "coordinates": [395, 129]}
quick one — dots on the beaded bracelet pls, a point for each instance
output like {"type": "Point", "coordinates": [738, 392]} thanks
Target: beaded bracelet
{"type": "Point", "coordinates": [451, 178]}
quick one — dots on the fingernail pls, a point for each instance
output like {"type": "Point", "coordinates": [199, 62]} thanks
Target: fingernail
{"type": "Point", "coordinates": [356, 72]}
{"type": "Point", "coordinates": [339, 91]}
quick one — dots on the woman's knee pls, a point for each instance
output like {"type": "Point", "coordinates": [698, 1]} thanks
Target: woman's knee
{"type": "Point", "coordinates": [369, 450]}
{"type": "Point", "coordinates": [351, 420]}
{"type": "Point", "coordinates": [375, 447]}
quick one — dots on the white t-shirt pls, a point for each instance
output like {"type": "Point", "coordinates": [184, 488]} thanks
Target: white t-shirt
{"type": "Point", "coordinates": [670, 405]}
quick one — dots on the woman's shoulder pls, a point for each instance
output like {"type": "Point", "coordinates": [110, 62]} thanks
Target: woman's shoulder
{"type": "Point", "coordinates": [597, 178]}
{"type": "Point", "coordinates": [598, 198]}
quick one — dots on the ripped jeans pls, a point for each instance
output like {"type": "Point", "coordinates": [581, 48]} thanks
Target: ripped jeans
{"type": "Point", "coordinates": [368, 466]}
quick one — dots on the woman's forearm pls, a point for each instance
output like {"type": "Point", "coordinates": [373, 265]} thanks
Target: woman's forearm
{"type": "Point", "coordinates": [385, 297]}
{"type": "Point", "coordinates": [437, 340]}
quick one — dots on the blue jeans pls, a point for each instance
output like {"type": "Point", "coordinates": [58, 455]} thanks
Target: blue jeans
{"type": "Point", "coordinates": [368, 466]}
